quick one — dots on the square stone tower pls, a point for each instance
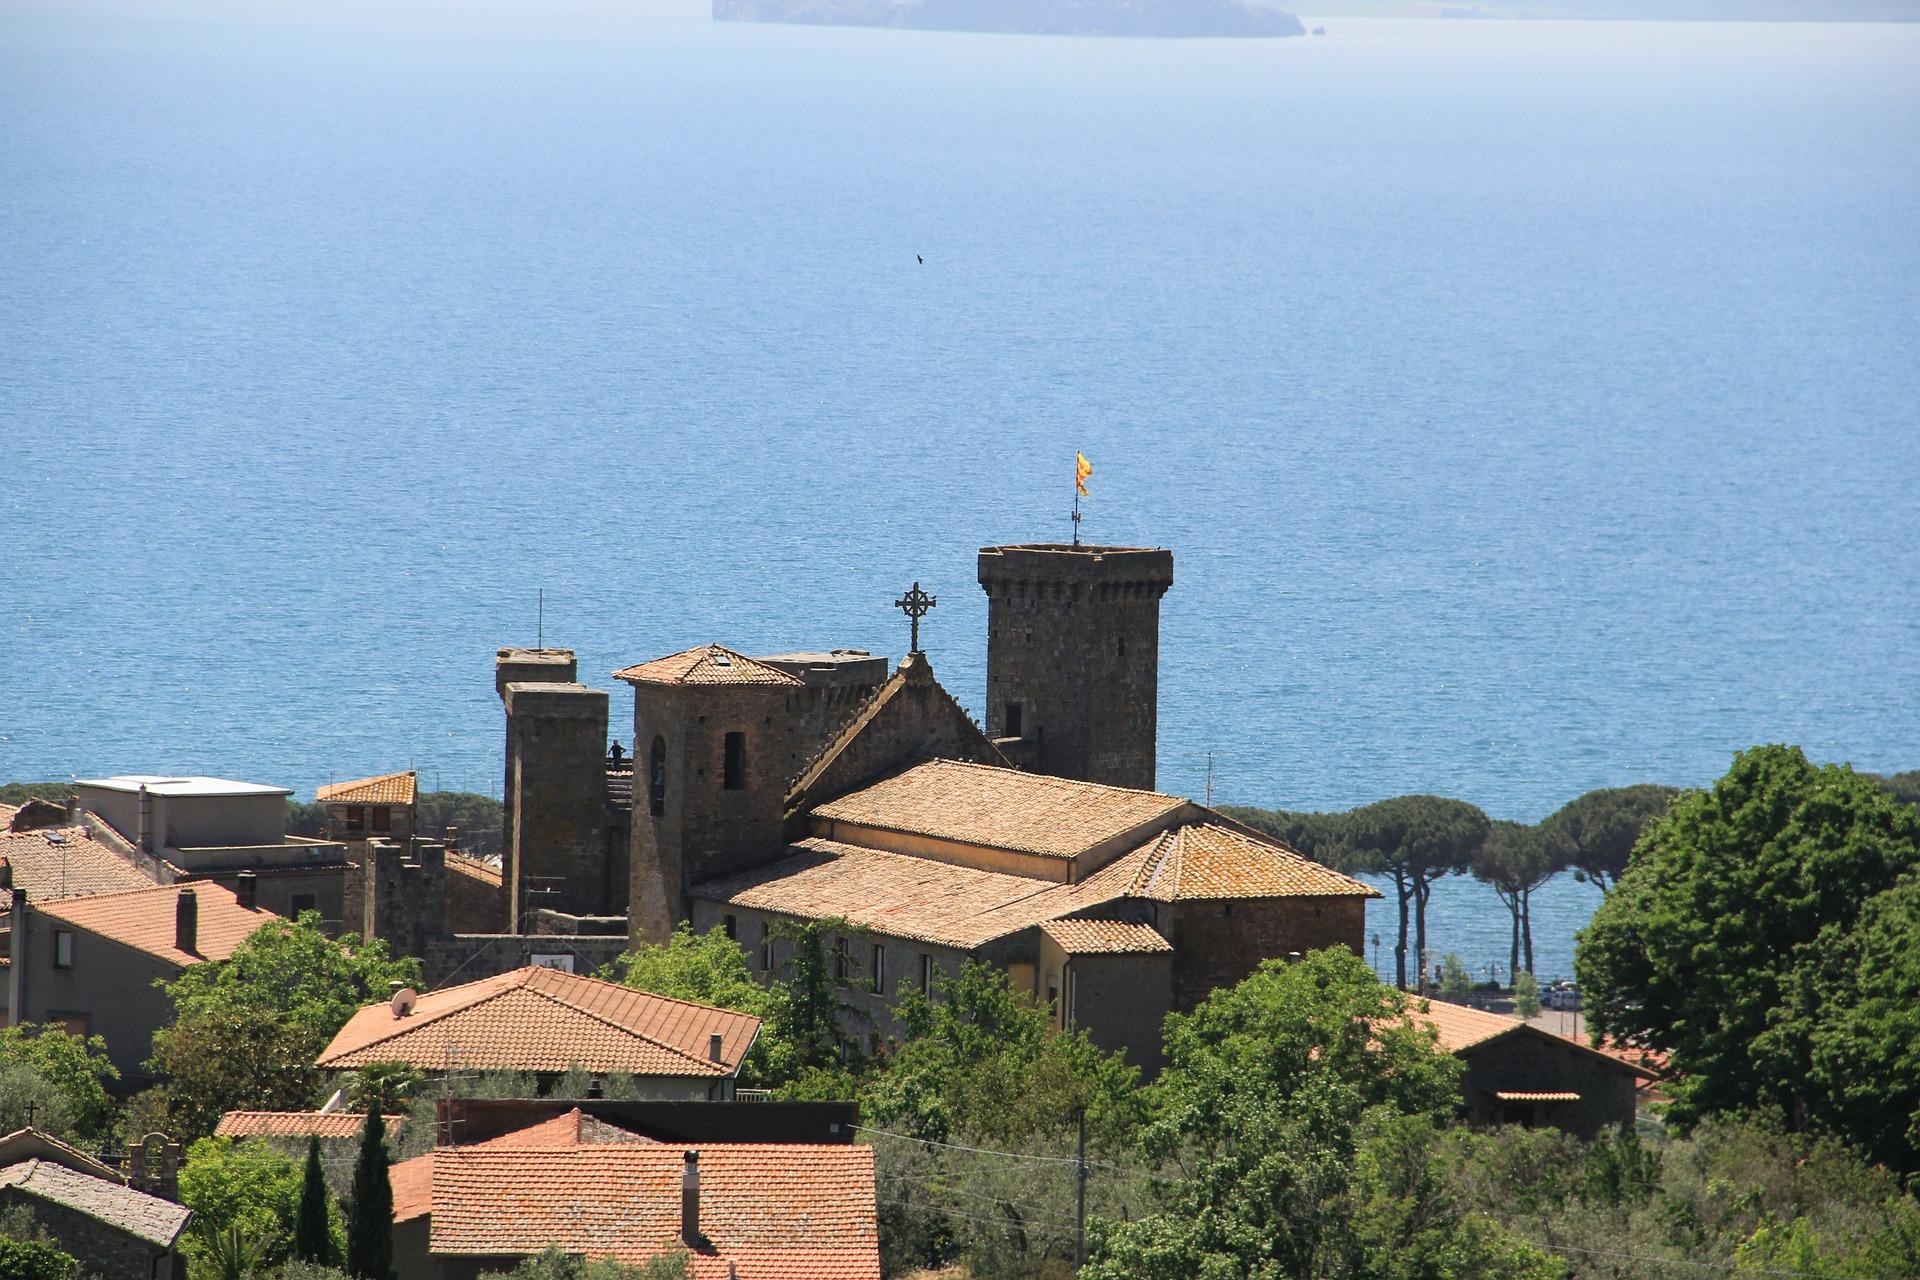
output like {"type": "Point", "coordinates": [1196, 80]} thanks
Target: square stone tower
{"type": "Point", "coordinates": [1073, 657]}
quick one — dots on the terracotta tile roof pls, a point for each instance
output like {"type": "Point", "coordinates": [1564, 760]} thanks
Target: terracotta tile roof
{"type": "Point", "coordinates": [896, 894]}
{"type": "Point", "coordinates": [144, 920]}
{"type": "Point", "coordinates": [413, 1179]}
{"type": "Point", "coordinates": [136, 1213]}
{"type": "Point", "coordinates": [708, 664]}
{"type": "Point", "coordinates": [67, 862]}
{"type": "Point", "coordinates": [1209, 861]}
{"type": "Point", "coordinates": [1461, 1028]}
{"type": "Point", "coordinates": [1510, 1095]}
{"type": "Point", "coordinates": [388, 788]}
{"type": "Point", "coordinates": [6, 813]}
{"type": "Point", "coordinates": [536, 1019]}
{"type": "Point", "coordinates": [771, 1212]}
{"type": "Point", "coordinates": [1104, 937]}
{"type": "Point", "coordinates": [1001, 808]}
{"type": "Point", "coordinates": [488, 873]}
{"type": "Point", "coordinates": [299, 1124]}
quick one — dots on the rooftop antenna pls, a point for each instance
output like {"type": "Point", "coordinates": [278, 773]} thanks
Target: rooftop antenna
{"type": "Point", "coordinates": [1209, 779]}
{"type": "Point", "coordinates": [541, 641]}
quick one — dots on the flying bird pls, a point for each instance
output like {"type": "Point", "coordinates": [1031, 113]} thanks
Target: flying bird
{"type": "Point", "coordinates": [920, 260]}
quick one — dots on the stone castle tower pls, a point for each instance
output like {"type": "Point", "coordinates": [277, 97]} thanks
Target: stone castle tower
{"type": "Point", "coordinates": [1073, 658]}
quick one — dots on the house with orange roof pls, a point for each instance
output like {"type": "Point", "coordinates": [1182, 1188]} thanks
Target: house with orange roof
{"type": "Point", "coordinates": [380, 806]}
{"type": "Point", "coordinates": [739, 1210]}
{"type": "Point", "coordinates": [1518, 1073]}
{"type": "Point", "coordinates": [91, 963]}
{"type": "Point", "coordinates": [548, 1022]}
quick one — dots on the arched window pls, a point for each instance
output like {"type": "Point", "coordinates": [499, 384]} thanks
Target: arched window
{"type": "Point", "coordinates": [657, 778]}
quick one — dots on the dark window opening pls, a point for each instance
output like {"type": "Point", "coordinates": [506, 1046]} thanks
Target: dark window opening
{"type": "Point", "coordinates": [303, 902]}
{"type": "Point", "coordinates": [382, 818]}
{"type": "Point", "coordinates": [766, 948]}
{"type": "Point", "coordinates": [926, 975]}
{"type": "Point", "coordinates": [1013, 720]}
{"type": "Point", "coordinates": [62, 949]}
{"type": "Point", "coordinates": [732, 926]}
{"type": "Point", "coordinates": [841, 959]}
{"type": "Point", "coordinates": [657, 778]}
{"type": "Point", "coordinates": [1120, 646]}
{"type": "Point", "coordinates": [356, 817]}
{"type": "Point", "coordinates": [879, 969]}
{"type": "Point", "coordinates": [733, 774]}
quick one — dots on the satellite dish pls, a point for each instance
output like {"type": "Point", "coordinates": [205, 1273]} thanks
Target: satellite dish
{"type": "Point", "coordinates": [403, 1000]}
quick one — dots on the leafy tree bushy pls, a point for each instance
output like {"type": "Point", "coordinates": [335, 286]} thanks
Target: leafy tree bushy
{"type": "Point", "coordinates": [245, 1197]}
{"type": "Point", "coordinates": [1595, 834]}
{"type": "Point", "coordinates": [32, 1260]}
{"type": "Point", "coordinates": [73, 1067]}
{"type": "Point", "coordinates": [1732, 940]}
{"type": "Point", "coordinates": [247, 1029]}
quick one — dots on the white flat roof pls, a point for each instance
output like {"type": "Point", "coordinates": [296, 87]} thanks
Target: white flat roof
{"type": "Point", "coordinates": [164, 785]}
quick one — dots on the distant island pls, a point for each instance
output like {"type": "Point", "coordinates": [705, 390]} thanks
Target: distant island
{"type": "Point", "coordinates": [1028, 17]}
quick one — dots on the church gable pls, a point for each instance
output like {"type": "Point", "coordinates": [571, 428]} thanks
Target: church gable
{"type": "Point", "coordinates": [910, 717]}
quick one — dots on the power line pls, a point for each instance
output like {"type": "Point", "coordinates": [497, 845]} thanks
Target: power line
{"type": "Point", "coordinates": [978, 1151]}
{"type": "Point", "coordinates": [1065, 1229]}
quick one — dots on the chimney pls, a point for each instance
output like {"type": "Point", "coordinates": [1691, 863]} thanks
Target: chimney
{"type": "Point", "coordinates": [186, 922]}
{"type": "Point", "coordinates": [145, 834]}
{"type": "Point", "coordinates": [6, 874]}
{"type": "Point", "coordinates": [690, 1201]}
{"type": "Point", "coordinates": [713, 1048]}
{"type": "Point", "coordinates": [247, 889]}
{"type": "Point", "coordinates": [452, 840]}
{"type": "Point", "coordinates": [73, 807]}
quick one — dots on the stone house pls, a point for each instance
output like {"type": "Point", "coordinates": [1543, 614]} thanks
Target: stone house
{"type": "Point", "coordinates": [1518, 1073]}
{"type": "Point", "coordinates": [115, 1231]}
{"type": "Point", "coordinates": [548, 1022]}
{"type": "Point", "coordinates": [91, 963]}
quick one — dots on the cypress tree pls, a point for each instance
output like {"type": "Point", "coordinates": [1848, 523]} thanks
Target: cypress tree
{"type": "Point", "coordinates": [311, 1241]}
{"type": "Point", "coordinates": [370, 1216]}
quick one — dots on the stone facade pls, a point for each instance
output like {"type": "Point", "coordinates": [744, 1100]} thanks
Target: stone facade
{"type": "Point", "coordinates": [556, 835]}
{"type": "Point", "coordinates": [468, 957]}
{"type": "Point", "coordinates": [1073, 657]}
{"type": "Point", "coordinates": [104, 1251]}
{"type": "Point", "coordinates": [1216, 944]}
{"type": "Point", "coordinates": [1532, 1061]}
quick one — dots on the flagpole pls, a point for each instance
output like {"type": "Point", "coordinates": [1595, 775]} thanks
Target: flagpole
{"type": "Point", "coordinates": [1076, 514]}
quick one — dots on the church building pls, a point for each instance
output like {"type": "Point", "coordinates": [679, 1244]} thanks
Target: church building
{"type": "Point", "coordinates": [820, 786]}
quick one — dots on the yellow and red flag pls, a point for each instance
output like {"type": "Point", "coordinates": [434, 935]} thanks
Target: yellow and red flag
{"type": "Point", "coordinates": [1081, 470]}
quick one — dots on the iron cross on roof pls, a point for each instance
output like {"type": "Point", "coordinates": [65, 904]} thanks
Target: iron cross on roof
{"type": "Point", "coordinates": [916, 604]}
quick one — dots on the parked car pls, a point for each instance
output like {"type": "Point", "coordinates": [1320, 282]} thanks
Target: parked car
{"type": "Point", "coordinates": [1561, 995]}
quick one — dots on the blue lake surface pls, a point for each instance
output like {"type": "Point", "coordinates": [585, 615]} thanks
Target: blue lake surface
{"type": "Point", "coordinates": [1531, 406]}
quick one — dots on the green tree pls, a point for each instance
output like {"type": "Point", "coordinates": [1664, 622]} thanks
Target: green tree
{"type": "Point", "coordinates": [1697, 946]}
{"type": "Point", "coordinates": [312, 1227]}
{"type": "Point", "coordinates": [76, 1067]}
{"type": "Point", "coordinates": [31, 1260]}
{"type": "Point", "coordinates": [1414, 841]}
{"type": "Point", "coordinates": [1455, 982]}
{"type": "Point", "coordinates": [1595, 833]}
{"type": "Point", "coordinates": [29, 1098]}
{"type": "Point", "coordinates": [809, 1013]}
{"type": "Point", "coordinates": [386, 1087]}
{"type": "Point", "coordinates": [706, 968]}
{"type": "Point", "coordinates": [1848, 1031]}
{"type": "Point", "coordinates": [1515, 860]}
{"type": "Point", "coordinates": [370, 1213]}
{"type": "Point", "coordinates": [245, 1187]}
{"type": "Point", "coordinates": [1267, 1088]}
{"type": "Point", "coordinates": [1318, 835]}
{"type": "Point", "coordinates": [247, 1029]}
{"type": "Point", "coordinates": [557, 1265]}
{"type": "Point", "coordinates": [1904, 787]}
{"type": "Point", "coordinates": [1526, 995]}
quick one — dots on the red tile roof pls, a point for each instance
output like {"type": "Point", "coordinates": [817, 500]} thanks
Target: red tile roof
{"type": "Point", "coordinates": [536, 1019]}
{"type": "Point", "coordinates": [708, 664]}
{"type": "Point", "coordinates": [1000, 808]}
{"type": "Point", "coordinates": [1554, 1095]}
{"type": "Point", "coordinates": [1460, 1028]}
{"type": "Point", "coordinates": [144, 920]}
{"type": "Point", "coordinates": [299, 1124]}
{"type": "Point", "coordinates": [1105, 937]}
{"type": "Point", "coordinates": [51, 863]}
{"type": "Point", "coordinates": [1207, 860]}
{"type": "Point", "coordinates": [388, 788]}
{"type": "Point", "coordinates": [487, 873]}
{"type": "Point", "coordinates": [413, 1179]}
{"type": "Point", "coordinates": [771, 1212]}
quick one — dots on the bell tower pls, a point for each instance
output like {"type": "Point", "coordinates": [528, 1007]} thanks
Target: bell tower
{"type": "Point", "coordinates": [1073, 657]}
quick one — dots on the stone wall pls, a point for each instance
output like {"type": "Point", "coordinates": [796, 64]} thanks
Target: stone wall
{"type": "Point", "coordinates": [523, 666]}
{"type": "Point", "coordinates": [1537, 1061]}
{"type": "Point", "coordinates": [1217, 943]}
{"type": "Point", "coordinates": [450, 959]}
{"type": "Point", "coordinates": [476, 898]}
{"type": "Point", "coordinates": [1073, 641]}
{"type": "Point", "coordinates": [557, 838]}
{"type": "Point", "coordinates": [103, 1251]}
{"type": "Point", "coordinates": [1121, 1001]}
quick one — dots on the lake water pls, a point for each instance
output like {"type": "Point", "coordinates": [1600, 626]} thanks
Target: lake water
{"type": "Point", "coordinates": [1531, 407]}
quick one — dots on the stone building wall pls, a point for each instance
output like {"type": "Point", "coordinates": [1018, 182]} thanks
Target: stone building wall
{"type": "Point", "coordinates": [1217, 943]}
{"type": "Point", "coordinates": [476, 897]}
{"type": "Point", "coordinates": [523, 666]}
{"type": "Point", "coordinates": [556, 840]}
{"type": "Point", "coordinates": [1073, 641]}
{"type": "Point", "coordinates": [103, 1251]}
{"type": "Point", "coordinates": [450, 959]}
{"type": "Point", "coordinates": [1538, 1061]}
